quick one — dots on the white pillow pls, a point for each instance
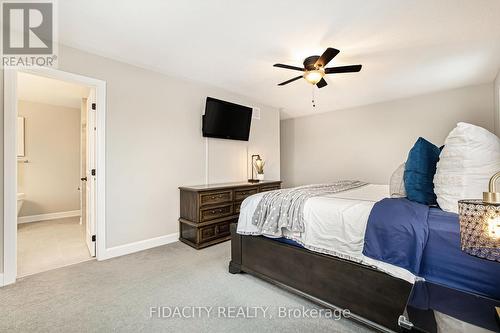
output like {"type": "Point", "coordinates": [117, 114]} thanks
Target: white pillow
{"type": "Point", "coordinates": [471, 155]}
{"type": "Point", "coordinates": [397, 183]}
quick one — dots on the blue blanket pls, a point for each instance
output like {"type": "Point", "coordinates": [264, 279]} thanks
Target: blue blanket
{"type": "Point", "coordinates": [397, 233]}
{"type": "Point", "coordinates": [426, 242]}
{"type": "Point", "coordinates": [444, 263]}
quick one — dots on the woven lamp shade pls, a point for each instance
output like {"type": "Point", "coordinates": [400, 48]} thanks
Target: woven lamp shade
{"type": "Point", "coordinates": [480, 228]}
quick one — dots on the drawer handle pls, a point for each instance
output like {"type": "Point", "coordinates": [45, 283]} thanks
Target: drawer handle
{"type": "Point", "coordinates": [213, 197]}
{"type": "Point", "coordinates": [217, 211]}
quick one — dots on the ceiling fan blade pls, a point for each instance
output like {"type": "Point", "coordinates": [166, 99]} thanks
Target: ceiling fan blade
{"type": "Point", "coordinates": [289, 67]}
{"type": "Point", "coordinates": [343, 69]}
{"type": "Point", "coordinates": [321, 83]}
{"type": "Point", "coordinates": [326, 57]}
{"type": "Point", "coordinates": [291, 80]}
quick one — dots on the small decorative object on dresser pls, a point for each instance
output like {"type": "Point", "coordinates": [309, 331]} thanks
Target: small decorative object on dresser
{"type": "Point", "coordinates": [208, 210]}
{"type": "Point", "coordinates": [258, 166]}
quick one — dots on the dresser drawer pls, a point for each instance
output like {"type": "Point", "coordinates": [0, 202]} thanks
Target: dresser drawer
{"type": "Point", "coordinates": [270, 188]}
{"type": "Point", "coordinates": [223, 228]}
{"type": "Point", "coordinates": [215, 230]}
{"type": "Point", "coordinates": [243, 193]}
{"type": "Point", "coordinates": [211, 198]}
{"type": "Point", "coordinates": [237, 207]}
{"type": "Point", "coordinates": [207, 214]}
{"type": "Point", "coordinates": [208, 232]}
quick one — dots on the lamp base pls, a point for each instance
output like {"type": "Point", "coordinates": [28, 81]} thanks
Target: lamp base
{"type": "Point", "coordinates": [253, 181]}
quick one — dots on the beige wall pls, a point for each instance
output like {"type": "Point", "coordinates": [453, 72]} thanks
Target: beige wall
{"type": "Point", "coordinates": [154, 144]}
{"type": "Point", "coordinates": [51, 178]}
{"type": "Point", "coordinates": [369, 142]}
{"type": "Point", "coordinates": [497, 104]}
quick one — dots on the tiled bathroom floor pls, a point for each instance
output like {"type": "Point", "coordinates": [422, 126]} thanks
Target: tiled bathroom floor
{"type": "Point", "coordinates": [46, 245]}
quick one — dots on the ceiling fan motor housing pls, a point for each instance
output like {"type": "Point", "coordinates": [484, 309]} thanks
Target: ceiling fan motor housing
{"type": "Point", "coordinates": [309, 62]}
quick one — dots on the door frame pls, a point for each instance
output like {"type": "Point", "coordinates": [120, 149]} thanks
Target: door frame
{"type": "Point", "coordinates": [10, 162]}
{"type": "Point", "coordinates": [90, 164]}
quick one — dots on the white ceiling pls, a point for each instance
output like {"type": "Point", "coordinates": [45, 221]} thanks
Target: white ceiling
{"type": "Point", "coordinates": [40, 89]}
{"type": "Point", "coordinates": [406, 47]}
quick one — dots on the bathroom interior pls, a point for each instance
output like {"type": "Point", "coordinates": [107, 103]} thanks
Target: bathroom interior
{"type": "Point", "coordinates": [52, 168]}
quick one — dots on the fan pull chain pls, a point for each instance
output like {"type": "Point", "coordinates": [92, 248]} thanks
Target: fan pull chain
{"type": "Point", "coordinates": [313, 99]}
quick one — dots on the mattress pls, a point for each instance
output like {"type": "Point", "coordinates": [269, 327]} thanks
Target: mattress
{"type": "Point", "coordinates": [334, 224]}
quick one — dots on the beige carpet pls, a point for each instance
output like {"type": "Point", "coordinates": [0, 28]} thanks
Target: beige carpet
{"type": "Point", "coordinates": [46, 245]}
{"type": "Point", "coordinates": [117, 295]}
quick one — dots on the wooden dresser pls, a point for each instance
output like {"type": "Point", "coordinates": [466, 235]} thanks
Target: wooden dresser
{"type": "Point", "coordinates": [207, 211]}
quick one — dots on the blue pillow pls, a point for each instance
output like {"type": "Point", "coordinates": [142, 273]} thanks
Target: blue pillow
{"type": "Point", "coordinates": [419, 172]}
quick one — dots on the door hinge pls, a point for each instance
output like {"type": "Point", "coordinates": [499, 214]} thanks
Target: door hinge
{"type": "Point", "coordinates": [92, 172]}
{"type": "Point", "coordinates": [93, 106]}
{"type": "Point", "coordinates": [93, 238]}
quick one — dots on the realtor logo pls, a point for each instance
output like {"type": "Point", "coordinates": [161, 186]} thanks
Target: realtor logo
{"type": "Point", "coordinates": [28, 33]}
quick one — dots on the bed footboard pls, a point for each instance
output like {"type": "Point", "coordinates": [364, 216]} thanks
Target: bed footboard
{"type": "Point", "coordinates": [373, 297]}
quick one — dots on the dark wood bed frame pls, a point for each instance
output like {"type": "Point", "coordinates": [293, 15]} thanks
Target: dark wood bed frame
{"type": "Point", "coordinates": [373, 298]}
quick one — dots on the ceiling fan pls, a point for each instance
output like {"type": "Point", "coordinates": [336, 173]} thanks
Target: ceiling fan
{"type": "Point", "coordinates": [314, 68]}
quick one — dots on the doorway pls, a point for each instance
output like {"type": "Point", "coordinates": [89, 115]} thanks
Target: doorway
{"type": "Point", "coordinates": [53, 199]}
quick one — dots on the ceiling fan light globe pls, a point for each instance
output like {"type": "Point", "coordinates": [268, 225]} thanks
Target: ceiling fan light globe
{"type": "Point", "coordinates": [314, 76]}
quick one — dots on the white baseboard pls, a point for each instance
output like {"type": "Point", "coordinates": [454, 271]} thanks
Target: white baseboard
{"type": "Point", "coordinates": [6, 279]}
{"type": "Point", "coordinates": [50, 216]}
{"type": "Point", "coordinates": [146, 244]}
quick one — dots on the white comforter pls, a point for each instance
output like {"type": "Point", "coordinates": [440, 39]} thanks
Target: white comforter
{"type": "Point", "coordinates": [334, 224]}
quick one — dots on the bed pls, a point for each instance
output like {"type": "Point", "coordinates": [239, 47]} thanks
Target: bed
{"type": "Point", "coordinates": [332, 263]}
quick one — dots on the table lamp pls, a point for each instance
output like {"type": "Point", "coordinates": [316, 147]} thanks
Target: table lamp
{"type": "Point", "coordinates": [256, 160]}
{"type": "Point", "coordinates": [480, 226]}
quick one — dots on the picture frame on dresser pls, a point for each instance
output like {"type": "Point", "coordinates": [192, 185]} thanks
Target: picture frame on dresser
{"type": "Point", "coordinates": [207, 211]}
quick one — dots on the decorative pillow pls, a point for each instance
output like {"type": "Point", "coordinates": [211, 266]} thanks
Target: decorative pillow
{"type": "Point", "coordinates": [419, 172]}
{"type": "Point", "coordinates": [397, 184]}
{"type": "Point", "coordinates": [470, 157]}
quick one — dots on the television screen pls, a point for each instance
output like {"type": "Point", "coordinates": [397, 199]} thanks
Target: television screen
{"type": "Point", "coordinates": [225, 120]}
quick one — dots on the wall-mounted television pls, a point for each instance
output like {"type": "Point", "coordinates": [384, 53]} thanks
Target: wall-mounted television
{"type": "Point", "coordinates": [225, 120]}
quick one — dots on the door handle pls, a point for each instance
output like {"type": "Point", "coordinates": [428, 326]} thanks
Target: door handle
{"type": "Point", "coordinates": [84, 179]}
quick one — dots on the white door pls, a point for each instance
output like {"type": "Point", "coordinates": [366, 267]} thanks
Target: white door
{"type": "Point", "coordinates": [83, 161]}
{"type": "Point", "coordinates": [90, 173]}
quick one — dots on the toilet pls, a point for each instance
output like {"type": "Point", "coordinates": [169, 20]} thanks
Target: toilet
{"type": "Point", "coordinates": [20, 200]}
